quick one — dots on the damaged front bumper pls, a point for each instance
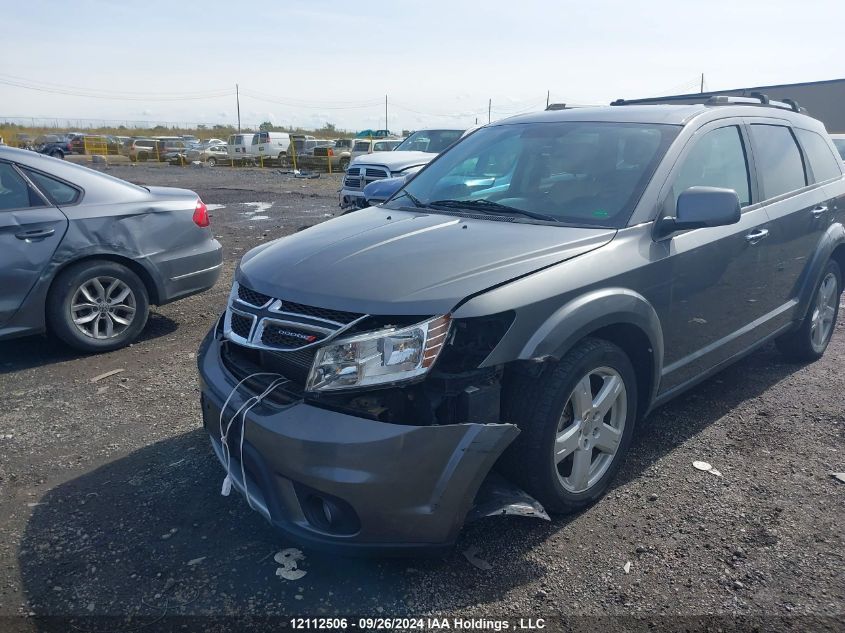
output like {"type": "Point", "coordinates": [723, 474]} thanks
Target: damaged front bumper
{"type": "Point", "coordinates": [339, 481]}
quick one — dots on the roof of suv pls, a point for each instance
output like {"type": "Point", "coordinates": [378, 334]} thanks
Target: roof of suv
{"type": "Point", "coordinates": [659, 113]}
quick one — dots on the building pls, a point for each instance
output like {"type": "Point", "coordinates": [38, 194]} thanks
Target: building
{"type": "Point", "coordinates": [823, 100]}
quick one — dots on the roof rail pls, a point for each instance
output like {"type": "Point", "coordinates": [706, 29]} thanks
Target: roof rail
{"type": "Point", "coordinates": [754, 98]}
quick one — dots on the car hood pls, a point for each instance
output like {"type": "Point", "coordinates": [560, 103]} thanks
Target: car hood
{"type": "Point", "coordinates": [380, 261]}
{"type": "Point", "coordinates": [394, 161]}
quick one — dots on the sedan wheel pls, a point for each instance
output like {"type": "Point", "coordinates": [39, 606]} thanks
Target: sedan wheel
{"type": "Point", "coordinates": [211, 161]}
{"type": "Point", "coordinates": [590, 429]}
{"type": "Point", "coordinates": [103, 307]}
{"type": "Point", "coordinates": [97, 306]}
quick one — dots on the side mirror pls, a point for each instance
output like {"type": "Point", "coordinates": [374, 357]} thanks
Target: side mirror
{"type": "Point", "coordinates": [700, 207]}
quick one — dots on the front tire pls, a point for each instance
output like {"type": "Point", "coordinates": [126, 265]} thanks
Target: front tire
{"type": "Point", "coordinates": [211, 162]}
{"type": "Point", "coordinates": [97, 306]}
{"type": "Point", "coordinates": [57, 153]}
{"type": "Point", "coordinates": [809, 342]}
{"type": "Point", "coordinates": [577, 421]}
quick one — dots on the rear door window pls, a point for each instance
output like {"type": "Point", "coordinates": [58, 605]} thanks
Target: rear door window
{"type": "Point", "coordinates": [58, 191]}
{"type": "Point", "coordinates": [822, 161]}
{"type": "Point", "coordinates": [780, 165]}
{"type": "Point", "coordinates": [716, 160]}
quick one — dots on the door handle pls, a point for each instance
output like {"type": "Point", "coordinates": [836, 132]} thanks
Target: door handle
{"type": "Point", "coordinates": [37, 234]}
{"type": "Point", "coordinates": [756, 236]}
{"type": "Point", "coordinates": [819, 211]}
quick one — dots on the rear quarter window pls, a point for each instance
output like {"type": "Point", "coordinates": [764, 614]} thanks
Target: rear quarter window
{"type": "Point", "coordinates": [779, 161]}
{"type": "Point", "coordinates": [823, 163]}
{"type": "Point", "coordinates": [56, 190]}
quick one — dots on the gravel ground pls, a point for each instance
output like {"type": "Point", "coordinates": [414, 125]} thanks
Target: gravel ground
{"type": "Point", "coordinates": [110, 505]}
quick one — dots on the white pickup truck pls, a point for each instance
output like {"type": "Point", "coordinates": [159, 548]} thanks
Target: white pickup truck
{"type": "Point", "coordinates": [414, 152]}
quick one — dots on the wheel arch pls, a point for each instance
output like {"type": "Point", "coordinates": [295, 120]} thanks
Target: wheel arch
{"type": "Point", "coordinates": [830, 246]}
{"type": "Point", "coordinates": [135, 266]}
{"type": "Point", "coordinates": [618, 315]}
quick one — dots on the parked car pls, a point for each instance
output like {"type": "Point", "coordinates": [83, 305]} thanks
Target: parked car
{"type": "Point", "coordinates": [298, 141]}
{"type": "Point", "coordinates": [380, 191]}
{"type": "Point", "coordinates": [83, 254]}
{"type": "Point", "coordinates": [53, 145]}
{"type": "Point", "coordinates": [374, 134]}
{"type": "Point", "coordinates": [144, 149]}
{"type": "Point", "coordinates": [401, 160]}
{"type": "Point", "coordinates": [521, 303]}
{"type": "Point", "coordinates": [211, 155]}
{"type": "Point", "coordinates": [364, 146]}
{"type": "Point", "coordinates": [839, 142]}
{"type": "Point", "coordinates": [240, 147]}
{"type": "Point", "coordinates": [95, 144]}
{"type": "Point", "coordinates": [23, 141]}
{"type": "Point", "coordinates": [271, 146]}
{"type": "Point", "coordinates": [126, 145]}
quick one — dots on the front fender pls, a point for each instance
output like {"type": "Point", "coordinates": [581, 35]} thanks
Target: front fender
{"type": "Point", "coordinates": [579, 317]}
{"type": "Point", "coordinates": [590, 312]}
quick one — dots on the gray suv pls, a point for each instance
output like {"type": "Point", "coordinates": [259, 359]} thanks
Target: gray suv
{"type": "Point", "coordinates": [514, 309]}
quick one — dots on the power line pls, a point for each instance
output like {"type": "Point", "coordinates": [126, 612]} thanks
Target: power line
{"type": "Point", "coordinates": [81, 92]}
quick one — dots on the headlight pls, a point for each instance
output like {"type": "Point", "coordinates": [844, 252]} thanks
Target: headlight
{"type": "Point", "coordinates": [376, 358]}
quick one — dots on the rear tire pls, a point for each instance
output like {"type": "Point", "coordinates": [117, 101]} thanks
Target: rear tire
{"type": "Point", "coordinates": [344, 164]}
{"type": "Point", "coordinates": [57, 153]}
{"type": "Point", "coordinates": [577, 420]}
{"type": "Point", "coordinates": [809, 342]}
{"type": "Point", "coordinates": [97, 306]}
{"type": "Point", "coordinates": [211, 162]}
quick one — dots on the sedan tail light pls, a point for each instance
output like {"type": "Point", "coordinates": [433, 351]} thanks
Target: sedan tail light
{"type": "Point", "coordinates": [201, 214]}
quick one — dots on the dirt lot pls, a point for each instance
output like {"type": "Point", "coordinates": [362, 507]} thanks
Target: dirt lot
{"type": "Point", "coordinates": [110, 504]}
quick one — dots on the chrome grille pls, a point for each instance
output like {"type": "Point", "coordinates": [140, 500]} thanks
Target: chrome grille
{"type": "Point", "coordinates": [360, 176]}
{"type": "Point", "coordinates": [252, 297]}
{"type": "Point", "coordinates": [336, 316]}
{"type": "Point", "coordinates": [242, 324]}
{"type": "Point", "coordinates": [260, 321]}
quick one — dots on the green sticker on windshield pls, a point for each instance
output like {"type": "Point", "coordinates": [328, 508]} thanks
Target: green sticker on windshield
{"type": "Point", "coordinates": [600, 213]}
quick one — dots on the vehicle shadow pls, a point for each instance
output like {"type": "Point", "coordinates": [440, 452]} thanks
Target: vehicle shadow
{"type": "Point", "coordinates": [34, 351]}
{"type": "Point", "coordinates": [149, 534]}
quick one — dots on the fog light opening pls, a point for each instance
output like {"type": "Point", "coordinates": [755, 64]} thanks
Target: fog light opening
{"type": "Point", "coordinates": [330, 515]}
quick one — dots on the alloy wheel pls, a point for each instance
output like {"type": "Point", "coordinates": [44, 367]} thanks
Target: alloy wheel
{"type": "Point", "coordinates": [823, 312]}
{"type": "Point", "coordinates": [590, 429]}
{"type": "Point", "coordinates": [103, 307]}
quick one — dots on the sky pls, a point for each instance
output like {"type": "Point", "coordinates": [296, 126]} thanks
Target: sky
{"type": "Point", "coordinates": [439, 62]}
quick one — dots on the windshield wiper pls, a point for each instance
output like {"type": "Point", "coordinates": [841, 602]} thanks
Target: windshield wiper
{"type": "Point", "coordinates": [413, 199]}
{"type": "Point", "coordinates": [493, 208]}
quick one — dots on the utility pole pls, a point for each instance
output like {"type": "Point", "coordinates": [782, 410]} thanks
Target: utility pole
{"type": "Point", "coordinates": [238, 101]}
{"type": "Point", "coordinates": [548, 94]}
{"type": "Point", "coordinates": [702, 83]}
{"type": "Point", "coordinates": [489, 108]}
{"type": "Point", "coordinates": [385, 113]}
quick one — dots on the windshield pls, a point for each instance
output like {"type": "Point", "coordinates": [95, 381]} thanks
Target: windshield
{"type": "Point", "coordinates": [582, 173]}
{"type": "Point", "coordinates": [432, 141]}
{"type": "Point", "coordinates": [840, 146]}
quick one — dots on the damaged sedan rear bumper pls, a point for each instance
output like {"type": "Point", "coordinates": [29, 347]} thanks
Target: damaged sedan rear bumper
{"type": "Point", "coordinates": [338, 481]}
